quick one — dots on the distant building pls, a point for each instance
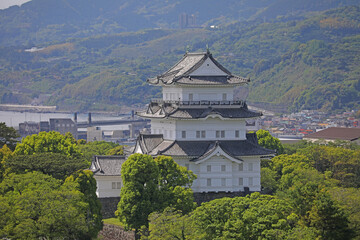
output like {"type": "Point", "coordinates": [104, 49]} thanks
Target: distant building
{"type": "Point", "coordinates": [187, 21]}
{"type": "Point", "coordinates": [63, 125]}
{"type": "Point", "coordinates": [335, 133]}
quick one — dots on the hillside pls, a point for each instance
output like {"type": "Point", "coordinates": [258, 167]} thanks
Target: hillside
{"type": "Point", "coordinates": [307, 62]}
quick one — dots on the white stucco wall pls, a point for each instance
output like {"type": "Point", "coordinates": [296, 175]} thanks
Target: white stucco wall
{"type": "Point", "coordinates": [224, 174]}
{"type": "Point", "coordinates": [105, 186]}
{"type": "Point", "coordinates": [198, 93]}
{"type": "Point", "coordinates": [173, 129]}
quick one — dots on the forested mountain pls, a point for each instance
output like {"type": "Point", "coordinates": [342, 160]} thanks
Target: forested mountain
{"type": "Point", "coordinates": [86, 58]}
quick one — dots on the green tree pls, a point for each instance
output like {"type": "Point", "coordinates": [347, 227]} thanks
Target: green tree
{"type": "Point", "coordinates": [170, 224]}
{"type": "Point", "coordinates": [253, 217]}
{"type": "Point", "coordinates": [96, 148]}
{"type": "Point", "coordinates": [152, 185]}
{"type": "Point", "coordinates": [139, 193]}
{"type": "Point", "coordinates": [8, 136]}
{"type": "Point", "coordinates": [119, 150]}
{"type": "Point", "coordinates": [37, 206]}
{"type": "Point", "coordinates": [86, 184]}
{"type": "Point", "coordinates": [329, 220]}
{"type": "Point", "coordinates": [48, 142]}
{"type": "Point", "coordinates": [267, 141]}
{"type": "Point", "coordinates": [5, 154]}
{"type": "Point", "coordinates": [57, 165]}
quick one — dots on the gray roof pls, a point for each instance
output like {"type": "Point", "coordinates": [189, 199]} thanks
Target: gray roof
{"type": "Point", "coordinates": [337, 133]}
{"type": "Point", "coordinates": [107, 165]}
{"type": "Point", "coordinates": [181, 73]}
{"type": "Point", "coordinates": [168, 110]}
{"type": "Point", "coordinates": [197, 149]}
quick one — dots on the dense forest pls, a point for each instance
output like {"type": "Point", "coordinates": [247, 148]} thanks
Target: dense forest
{"type": "Point", "coordinates": [295, 55]}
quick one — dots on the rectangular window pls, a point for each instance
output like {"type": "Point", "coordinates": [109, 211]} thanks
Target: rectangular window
{"type": "Point", "coordinates": [237, 133]}
{"type": "Point", "coordinates": [224, 97]}
{"type": "Point", "coordinates": [191, 97]}
{"type": "Point", "coordinates": [222, 134]}
{"type": "Point", "coordinates": [223, 168]}
{"type": "Point", "coordinates": [241, 181]}
{"type": "Point", "coordinates": [250, 181]}
{"type": "Point", "coordinates": [241, 167]}
{"type": "Point", "coordinates": [223, 182]}
{"type": "Point", "coordinates": [217, 134]}
{"type": "Point", "coordinates": [208, 182]}
{"type": "Point", "coordinates": [113, 185]}
{"type": "Point", "coordinates": [197, 134]}
{"type": "Point", "coordinates": [118, 185]}
{"type": "Point", "coordinates": [203, 134]}
{"type": "Point", "coordinates": [250, 167]}
{"type": "Point", "coordinates": [187, 166]}
{"type": "Point", "coordinates": [183, 134]}
{"type": "Point", "coordinates": [208, 168]}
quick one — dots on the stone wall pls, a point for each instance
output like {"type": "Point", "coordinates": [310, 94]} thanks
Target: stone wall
{"type": "Point", "coordinates": [208, 196]}
{"type": "Point", "coordinates": [109, 206]}
{"type": "Point", "coordinates": [112, 232]}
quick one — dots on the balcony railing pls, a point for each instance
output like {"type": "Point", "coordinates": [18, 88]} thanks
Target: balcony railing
{"type": "Point", "coordinates": [198, 103]}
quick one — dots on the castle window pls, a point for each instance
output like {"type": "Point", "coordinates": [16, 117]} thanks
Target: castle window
{"type": "Point", "coordinates": [222, 134]}
{"type": "Point", "coordinates": [187, 166]}
{"type": "Point", "coordinates": [208, 182]}
{"type": "Point", "coordinates": [241, 181]}
{"type": "Point", "coordinates": [197, 134]}
{"type": "Point", "coordinates": [217, 134]}
{"type": "Point", "coordinates": [203, 134]}
{"type": "Point", "coordinates": [224, 97]}
{"type": "Point", "coordinates": [183, 134]}
{"type": "Point", "coordinates": [237, 133]}
{"type": "Point", "coordinates": [118, 185]}
{"type": "Point", "coordinates": [113, 185]}
{"type": "Point", "coordinates": [223, 168]}
{"type": "Point", "coordinates": [208, 168]}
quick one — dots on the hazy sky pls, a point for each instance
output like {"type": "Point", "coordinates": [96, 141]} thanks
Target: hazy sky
{"type": "Point", "coordinates": [8, 3]}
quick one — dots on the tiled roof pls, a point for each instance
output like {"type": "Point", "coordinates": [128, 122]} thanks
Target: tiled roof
{"type": "Point", "coordinates": [196, 149]}
{"type": "Point", "coordinates": [336, 133]}
{"type": "Point", "coordinates": [107, 165]}
{"type": "Point", "coordinates": [156, 110]}
{"type": "Point", "coordinates": [181, 73]}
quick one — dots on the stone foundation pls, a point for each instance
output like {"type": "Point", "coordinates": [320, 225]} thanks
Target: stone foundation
{"type": "Point", "coordinates": [109, 206]}
{"type": "Point", "coordinates": [208, 196]}
{"type": "Point", "coordinates": [112, 232]}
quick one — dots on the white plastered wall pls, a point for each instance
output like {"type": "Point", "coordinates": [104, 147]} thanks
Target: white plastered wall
{"type": "Point", "coordinates": [224, 179]}
{"type": "Point", "coordinates": [104, 186]}
{"type": "Point", "coordinates": [199, 93]}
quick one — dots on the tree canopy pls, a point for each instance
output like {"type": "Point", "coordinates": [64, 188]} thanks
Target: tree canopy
{"type": "Point", "coordinates": [267, 141]}
{"type": "Point", "coordinates": [37, 206]}
{"type": "Point", "coordinates": [8, 136]}
{"type": "Point", "coordinates": [152, 185]}
{"type": "Point", "coordinates": [52, 142]}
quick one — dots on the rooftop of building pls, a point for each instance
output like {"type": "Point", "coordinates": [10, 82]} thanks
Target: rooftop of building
{"type": "Point", "coordinates": [189, 71]}
{"type": "Point", "coordinates": [155, 144]}
{"type": "Point", "coordinates": [198, 110]}
{"type": "Point", "coordinates": [337, 133]}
